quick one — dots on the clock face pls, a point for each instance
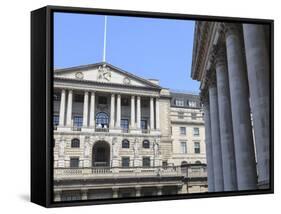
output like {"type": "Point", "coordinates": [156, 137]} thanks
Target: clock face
{"type": "Point", "coordinates": [79, 75]}
{"type": "Point", "coordinates": [127, 81]}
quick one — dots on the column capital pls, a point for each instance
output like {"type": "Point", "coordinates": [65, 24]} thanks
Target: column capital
{"type": "Point", "coordinates": [211, 77]}
{"type": "Point", "coordinates": [231, 28]}
{"type": "Point", "coordinates": [218, 54]}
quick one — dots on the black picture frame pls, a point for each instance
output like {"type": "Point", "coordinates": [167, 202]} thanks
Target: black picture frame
{"type": "Point", "coordinates": [41, 104]}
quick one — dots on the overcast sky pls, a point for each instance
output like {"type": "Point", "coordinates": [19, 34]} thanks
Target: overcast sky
{"type": "Point", "coordinates": [150, 48]}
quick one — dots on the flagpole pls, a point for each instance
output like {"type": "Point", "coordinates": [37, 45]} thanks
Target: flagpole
{"type": "Point", "coordinates": [104, 39]}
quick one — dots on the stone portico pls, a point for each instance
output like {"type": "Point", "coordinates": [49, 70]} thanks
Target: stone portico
{"type": "Point", "coordinates": [231, 61]}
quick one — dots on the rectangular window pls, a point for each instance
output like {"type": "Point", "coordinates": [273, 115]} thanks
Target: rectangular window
{"type": "Point", "coordinates": [193, 116]}
{"type": "Point", "coordinates": [125, 161]}
{"type": "Point", "coordinates": [183, 130]}
{"type": "Point", "coordinates": [181, 115]}
{"type": "Point", "coordinates": [179, 102]}
{"type": "Point", "coordinates": [78, 98]}
{"type": "Point", "coordinates": [183, 148]}
{"type": "Point", "coordinates": [191, 103]}
{"type": "Point", "coordinates": [78, 121]}
{"type": "Point", "coordinates": [125, 124]}
{"type": "Point", "coordinates": [144, 124]}
{"type": "Point", "coordinates": [196, 131]}
{"type": "Point", "coordinates": [125, 101]}
{"type": "Point", "coordinates": [56, 97]}
{"type": "Point", "coordinates": [74, 162]}
{"type": "Point", "coordinates": [56, 120]}
{"type": "Point", "coordinates": [146, 161]}
{"type": "Point", "coordinates": [196, 147]}
{"type": "Point", "coordinates": [102, 100]}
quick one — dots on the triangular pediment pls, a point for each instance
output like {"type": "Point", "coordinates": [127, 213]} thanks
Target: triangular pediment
{"type": "Point", "coordinates": [104, 73]}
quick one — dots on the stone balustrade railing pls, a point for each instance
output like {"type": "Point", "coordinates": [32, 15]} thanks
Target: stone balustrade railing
{"type": "Point", "coordinates": [134, 172]}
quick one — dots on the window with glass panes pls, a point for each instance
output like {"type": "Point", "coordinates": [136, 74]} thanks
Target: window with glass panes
{"type": "Point", "coordinates": [56, 120]}
{"type": "Point", "coordinates": [75, 143]}
{"type": "Point", "coordinates": [144, 124]}
{"type": "Point", "coordinates": [125, 124]}
{"type": "Point", "coordinates": [74, 162]}
{"type": "Point", "coordinates": [146, 161]}
{"type": "Point", "coordinates": [125, 161]}
{"type": "Point", "coordinates": [179, 102]}
{"type": "Point", "coordinates": [78, 121]}
{"type": "Point", "coordinates": [125, 144]}
{"type": "Point", "coordinates": [196, 147]}
{"type": "Point", "coordinates": [183, 148]}
{"type": "Point", "coordinates": [145, 144]}
{"type": "Point", "coordinates": [196, 131]}
{"type": "Point", "coordinates": [183, 130]}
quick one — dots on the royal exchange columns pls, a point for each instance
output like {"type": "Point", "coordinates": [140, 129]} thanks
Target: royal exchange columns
{"type": "Point", "coordinates": [240, 108]}
{"type": "Point", "coordinates": [225, 120]}
{"type": "Point", "coordinates": [257, 56]}
{"type": "Point", "coordinates": [215, 131]}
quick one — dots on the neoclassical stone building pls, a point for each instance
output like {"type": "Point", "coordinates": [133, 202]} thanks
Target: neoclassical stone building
{"type": "Point", "coordinates": [231, 61]}
{"type": "Point", "coordinates": [119, 135]}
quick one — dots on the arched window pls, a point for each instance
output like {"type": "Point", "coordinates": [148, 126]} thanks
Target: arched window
{"type": "Point", "coordinates": [145, 144]}
{"type": "Point", "coordinates": [197, 162]}
{"type": "Point", "coordinates": [75, 143]}
{"type": "Point", "coordinates": [102, 120]}
{"type": "Point", "coordinates": [125, 143]}
{"type": "Point", "coordinates": [184, 167]}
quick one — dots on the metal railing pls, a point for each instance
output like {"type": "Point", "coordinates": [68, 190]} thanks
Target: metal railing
{"type": "Point", "coordinates": [131, 172]}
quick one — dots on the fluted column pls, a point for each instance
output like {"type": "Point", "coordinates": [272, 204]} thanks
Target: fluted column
{"type": "Point", "coordinates": [215, 130]}
{"type": "Point", "coordinates": [62, 108]}
{"type": "Point", "coordinates": [259, 79]}
{"type": "Point", "coordinates": [138, 112]}
{"type": "Point", "coordinates": [226, 130]}
{"type": "Point", "coordinates": [92, 110]}
{"type": "Point", "coordinates": [85, 109]}
{"type": "Point", "coordinates": [112, 111]}
{"type": "Point", "coordinates": [151, 113]}
{"type": "Point", "coordinates": [208, 142]}
{"type": "Point", "coordinates": [69, 108]}
{"type": "Point", "coordinates": [239, 94]}
{"type": "Point", "coordinates": [118, 116]}
{"type": "Point", "coordinates": [133, 123]}
{"type": "Point", "coordinates": [157, 111]}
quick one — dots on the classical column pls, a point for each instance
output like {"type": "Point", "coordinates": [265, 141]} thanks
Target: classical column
{"type": "Point", "coordinates": [118, 116]}
{"type": "Point", "coordinates": [157, 111]}
{"type": "Point", "coordinates": [138, 112]}
{"type": "Point", "coordinates": [85, 109]}
{"type": "Point", "coordinates": [92, 110]}
{"type": "Point", "coordinates": [208, 142]}
{"type": "Point", "coordinates": [215, 130]}
{"type": "Point", "coordinates": [69, 108]}
{"type": "Point", "coordinates": [151, 113]}
{"type": "Point", "coordinates": [112, 111]}
{"type": "Point", "coordinates": [226, 130]}
{"type": "Point", "coordinates": [259, 81]}
{"type": "Point", "coordinates": [239, 96]}
{"type": "Point", "coordinates": [62, 108]}
{"type": "Point", "coordinates": [133, 123]}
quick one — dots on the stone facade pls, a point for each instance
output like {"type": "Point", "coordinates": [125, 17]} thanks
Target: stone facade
{"type": "Point", "coordinates": [112, 137]}
{"type": "Point", "coordinates": [231, 61]}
